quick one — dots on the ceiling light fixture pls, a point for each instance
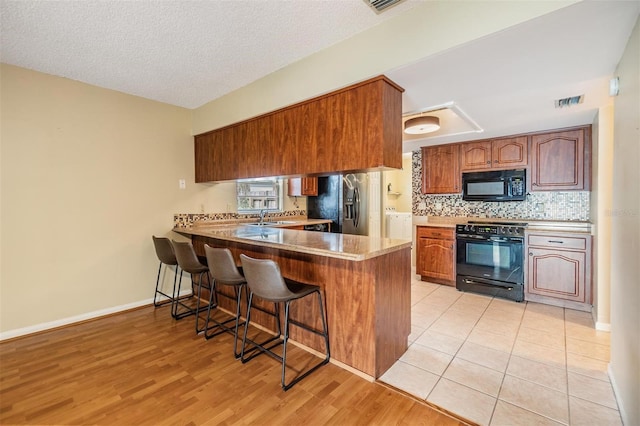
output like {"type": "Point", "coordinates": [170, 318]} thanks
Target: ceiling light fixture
{"type": "Point", "coordinates": [420, 125]}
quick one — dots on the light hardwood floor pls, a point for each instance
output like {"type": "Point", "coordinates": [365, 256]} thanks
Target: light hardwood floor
{"type": "Point", "coordinates": [142, 367]}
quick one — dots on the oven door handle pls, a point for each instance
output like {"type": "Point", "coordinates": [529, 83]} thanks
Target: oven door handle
{"type": "Point", "coordinates": [486, 284]}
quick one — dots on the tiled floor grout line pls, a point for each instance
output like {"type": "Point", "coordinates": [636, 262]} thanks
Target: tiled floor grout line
{"type": "Point", "coordinates": [533, 319]}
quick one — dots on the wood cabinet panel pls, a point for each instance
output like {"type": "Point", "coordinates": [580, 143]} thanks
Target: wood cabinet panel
{"type": "Point", "coordinates": [435, 257]}
{"type": "Point", "coordinates": [356, 128]}
{"type": "Point", "coordinates": [368, 303]}
{"type": "Point", "coordinates": [475, 156]}
{"type": "Point", "coordinates": [307, 186]}
{"type": "Point", "coordinates": [557, 273]}
{"type": "Point", "coordinates": [440, 169]}
{"type": "Point", "coordinates": [559, 269]}
{"type": "Point", "coordinates": [560, 161]}
{"type": "Point", "coordinates": [502, 153]}
{"type": "Point", "coordinates": [509, 152]}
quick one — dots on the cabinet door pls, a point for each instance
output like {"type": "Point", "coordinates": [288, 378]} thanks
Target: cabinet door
{"type": "Point", "coordinates": [302, 186]}
{"type": "Point", "coordinates": [440, 169]}
{"type": "Point", "coordinates": [509, 153]}
{"type": "Point", "coordinates": [475, 156]}
{"type": "Point", "coordinates": [310, 186]}
{"type": "Point", "coordinates": [557, 273]}
{"type": "Point", "coordinates": [558, 161]}
{"type": "Point", "coordinates": [436, 259]}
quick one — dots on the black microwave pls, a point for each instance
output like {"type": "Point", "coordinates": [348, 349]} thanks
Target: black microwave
{"type": "Point", "coordinates": [499, 185]}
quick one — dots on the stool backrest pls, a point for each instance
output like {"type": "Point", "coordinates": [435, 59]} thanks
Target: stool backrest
{"type": "Point", "coordinates": [264, 278]}
{"type": "Point", "coordinates": [186, 257]}
{"type": "Point", "coordinates": [164, 250]}
{"type": "Point", "coordinates": [222, 267]}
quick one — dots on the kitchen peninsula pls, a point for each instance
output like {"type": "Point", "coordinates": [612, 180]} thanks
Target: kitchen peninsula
{"type": "Point", "coordinates": [366, 284]}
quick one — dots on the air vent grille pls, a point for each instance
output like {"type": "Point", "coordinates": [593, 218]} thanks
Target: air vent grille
{"type": "Point", "coordinates": [380, 5]}
{"type": "Point", "coordinates": [567, 102]}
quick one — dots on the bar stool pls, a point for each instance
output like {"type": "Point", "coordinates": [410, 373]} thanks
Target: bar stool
{"type": "Point", "coordinates": [189, 262]}
{"type": "Point", "coordinates": [265, 281]}
{"type": "Point", "coordinates": [165, 254]}
{"type": "Point", "coordinates": [223, 271]}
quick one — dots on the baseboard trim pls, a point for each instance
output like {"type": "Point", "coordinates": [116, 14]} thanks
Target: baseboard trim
{"type": "Point", "coordinates": [616, 393]}
{"type": "Point", "coordinates": [46, 326]}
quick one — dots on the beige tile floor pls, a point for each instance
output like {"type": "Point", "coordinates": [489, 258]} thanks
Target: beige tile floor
{"type": "Point", "coordinates": [497, 362]}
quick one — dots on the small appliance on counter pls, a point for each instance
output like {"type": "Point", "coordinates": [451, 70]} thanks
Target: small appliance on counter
{"type": "Point", "coordinates": [490, 259]}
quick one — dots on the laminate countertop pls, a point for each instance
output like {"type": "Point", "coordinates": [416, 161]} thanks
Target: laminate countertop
{"type": "Point", "coordinates": [341, 246]}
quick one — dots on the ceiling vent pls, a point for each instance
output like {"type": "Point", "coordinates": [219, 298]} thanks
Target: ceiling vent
{"type": "Point", "coordinates": [567, 102]}
{"type": "Point", "coordinates": [380, 5]}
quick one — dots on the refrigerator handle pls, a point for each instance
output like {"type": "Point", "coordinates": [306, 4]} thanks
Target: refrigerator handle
{"type": "Point", "coordinates": [356, 205]}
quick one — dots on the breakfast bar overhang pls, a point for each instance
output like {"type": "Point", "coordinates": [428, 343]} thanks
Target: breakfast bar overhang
{"type": "Point", "coordinates": [366, 284]}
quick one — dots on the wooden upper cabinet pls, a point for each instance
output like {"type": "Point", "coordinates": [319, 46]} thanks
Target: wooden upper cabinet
{"type": "Point", "coordinates": [506, 153]}
{"type": "Point", "coordinates": [355, 128]}
{"type": "Point", "coordinates": [440, 169]}
{"type": "Point", "coordinates": [475, 155]}
{"type": "Point", "coordinates": [306, 186]}
{"type": "Point", "coordinates": [560, 161]}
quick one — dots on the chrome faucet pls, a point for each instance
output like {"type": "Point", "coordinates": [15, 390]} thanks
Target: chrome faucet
{"type": "Point", "coordinates": [262, 213]}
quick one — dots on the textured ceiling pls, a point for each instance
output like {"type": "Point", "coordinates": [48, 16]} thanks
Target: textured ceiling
{"type": "Point", "coordinates": [184, 53]}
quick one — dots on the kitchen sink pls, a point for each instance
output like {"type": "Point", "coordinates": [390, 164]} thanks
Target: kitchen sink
{"type": "Point", "coordinates": [279, 222]}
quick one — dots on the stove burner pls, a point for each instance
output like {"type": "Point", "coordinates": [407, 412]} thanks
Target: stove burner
{"type": "Point", "coordinates": [488, 229]}
{"type": "Point", "coordinates": [477, 222]}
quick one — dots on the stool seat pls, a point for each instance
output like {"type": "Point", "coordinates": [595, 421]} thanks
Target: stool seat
{"type": "Point", "coordinates": [166, 256]}
{"type": "Point", "coordinates": [189, 262]}
{"type": "Point", "coordinates": [223, 272]}
{"type": "Point", "coordinates": [265, 281]}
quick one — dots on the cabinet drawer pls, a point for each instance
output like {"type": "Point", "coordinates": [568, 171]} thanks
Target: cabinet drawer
{"type": "Point", "coordinates": [435, 232]}
{"type": "Point", "coordinates": [559, 242]}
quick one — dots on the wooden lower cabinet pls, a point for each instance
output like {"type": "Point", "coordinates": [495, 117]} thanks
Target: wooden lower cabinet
{"type": "Point", "coordinates": [559, 270]}
{"type": "Point", "coordinates": [436, 254]}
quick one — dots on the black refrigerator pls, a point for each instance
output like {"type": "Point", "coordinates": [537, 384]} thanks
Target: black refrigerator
{"type": "Point", "coordinates": [344, 200]}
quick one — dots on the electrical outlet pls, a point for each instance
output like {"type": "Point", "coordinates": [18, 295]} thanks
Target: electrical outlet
{"type": "Point", "coordinates": [422, 206]}
{"type": "Point", "coordinates": [182, 184]}
{"type": "Point", "coordinates": [438, 206]}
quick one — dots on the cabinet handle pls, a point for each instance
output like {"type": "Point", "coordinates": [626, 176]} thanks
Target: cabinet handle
{"type": "Point", "coordinates": [530, 254]}
{"type": "Point", "coordinates": [556, 242]}
{"type": "Point", "coordinates": [495, 161]}
{"type": "Point", "coordinates": [489, 162]}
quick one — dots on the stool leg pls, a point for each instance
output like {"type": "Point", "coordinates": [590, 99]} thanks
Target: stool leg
{"type": "Point", "coordinates": [176, 295]}
{"type": "Point", "coordinates": [246, 327]}
{"type": "Point", "coordinates": [325, 329]}
{"type": "Point", "coordinates": [284, 343]}
{"type": "Point", "coordinates": [212, 291]}
{"type": "Point", "coordinates": [236, 354]}
{"type": "Point", "coordinates": [155, 295]}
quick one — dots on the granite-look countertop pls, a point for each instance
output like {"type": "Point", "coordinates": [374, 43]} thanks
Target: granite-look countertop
{"type": "Point", "coordinates": [341, 246]}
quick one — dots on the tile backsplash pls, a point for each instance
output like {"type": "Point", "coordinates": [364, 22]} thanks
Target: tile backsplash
{"type": "Point", "coordinates": [568, 205]}
{"type": "Point", "coordinates": [185, 220]}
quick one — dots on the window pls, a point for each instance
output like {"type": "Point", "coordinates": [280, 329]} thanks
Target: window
{"type": "Point", "coordinates": [259, 194]}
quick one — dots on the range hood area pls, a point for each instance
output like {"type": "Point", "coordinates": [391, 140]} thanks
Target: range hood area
{"type": "Point", "coordinates": [357, 128]}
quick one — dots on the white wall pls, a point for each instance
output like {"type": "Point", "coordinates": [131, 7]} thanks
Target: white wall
{"type": "Point", "coordinates": [601, 202]}
{"type": "Point", "coordinates": [625, 236]}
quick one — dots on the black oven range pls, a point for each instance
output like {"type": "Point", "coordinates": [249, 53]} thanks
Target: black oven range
{"type": "Point", "coordinates": [490, 259]}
